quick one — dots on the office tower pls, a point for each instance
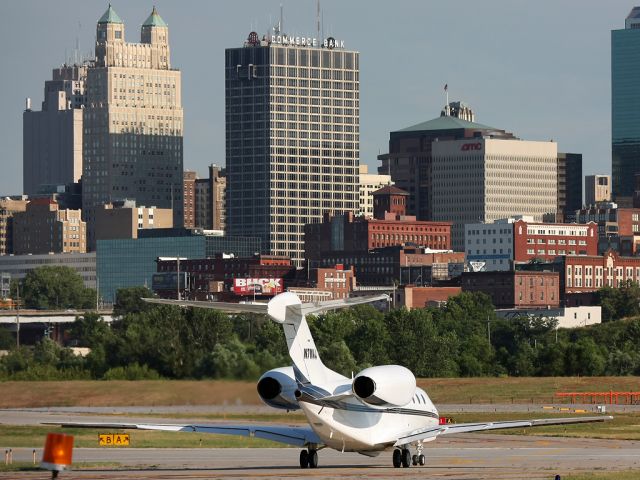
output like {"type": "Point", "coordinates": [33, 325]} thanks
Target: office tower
{"type": "Point", "coordinates": [188, 195]}
{"type": "Point", "coordinates": [409, 161]}
{"type": "Point", "coordinates": [210, 196]}
{"type": "Point", "coordinates": [123, 219]}
{"type": "Point", "coordinates": [292, 137]}
{"type": "Point", "coordinates": [369, 183]}
{"type": "Point", "coordinates": [569, 184]}
{"type": "Point", "coordinates": [625, 96]}
{"type": "Point", "coordinates": [44, 228]}
{"type": "Point", "coordinates": [8, 207]}
{"type": "Point", "coordinates": [485, 179]}
{"type": "Point", "coordinates": [133, 120]}
{"type": "Point", "coordinates": [52, 137]}
{"type": "Point", "coordinates": [597, 188]}
{"type": "Point", "coordinates": [204, 199]}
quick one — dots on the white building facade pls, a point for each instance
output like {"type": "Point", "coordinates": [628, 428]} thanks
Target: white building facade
{"type": "Point", "coordinates": [485, 179]}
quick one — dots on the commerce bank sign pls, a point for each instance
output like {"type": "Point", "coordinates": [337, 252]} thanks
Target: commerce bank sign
{"type": "Point", "coordinates": [329, 42]}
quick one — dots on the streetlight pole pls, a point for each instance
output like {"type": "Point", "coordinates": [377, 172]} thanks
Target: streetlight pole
{"type": "Point", "coordinates": [18, 315]}
{"type": "Point", "coordinates": [178, 272]}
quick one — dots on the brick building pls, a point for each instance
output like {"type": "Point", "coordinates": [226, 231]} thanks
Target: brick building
{"type": "Point", "coordinates": [497, 246]}
{"type": "Point", "coordinates": [419, 297]}
{"type": "Point", "coordinates": [516, 289]}
{"type": "Point", "coordinates": [402, 265]}
{"type": "Point", "coordinates": [346, 233]}
{"type": "Point", "coordinates": [330, 284]}
{"type": "Point", "coordinates": [216, 275]}
{"type": "Point", "coordinates": [44, 228]}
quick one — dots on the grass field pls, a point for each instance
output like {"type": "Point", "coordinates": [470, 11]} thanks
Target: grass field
{"type": "Point", "coordinates": [629, 475]}
{"type": "Point", "coordinates": [220, 392]}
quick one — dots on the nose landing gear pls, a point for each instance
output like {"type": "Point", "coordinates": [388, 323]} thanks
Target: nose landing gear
{"type": "Point", "coordinates": [309, 458]}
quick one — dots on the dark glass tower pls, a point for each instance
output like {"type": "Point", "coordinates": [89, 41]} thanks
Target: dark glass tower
{"type": "Point", "coordinates": [292, 138]}
{"type": "Point", "coordinates": [625, 105]}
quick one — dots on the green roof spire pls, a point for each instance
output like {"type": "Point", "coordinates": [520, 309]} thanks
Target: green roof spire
{"type": "Point", "coordinates": [110, 16]}
{"type": "Point", "coordinates": [154, 20]}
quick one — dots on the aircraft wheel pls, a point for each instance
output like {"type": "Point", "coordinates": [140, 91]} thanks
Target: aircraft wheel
{"type": "Point", "coordinates": [397, 458]}
{"type": "Point", "coordinates": [422, 460]}
{"type": "Point", "coordinates": [406, 458]}
{"type": "Point", "coordinates": [313, 459]}
{"type": "Point", "coordinates": [414, 460]}
{"type": "Point", "coordinates": [304, 459]}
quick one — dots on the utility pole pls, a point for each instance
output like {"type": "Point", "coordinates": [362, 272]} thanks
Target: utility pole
{"type": "Point", "coordinates": [18, 315]}
{"type": "Point", "coordinates": [178, 270]}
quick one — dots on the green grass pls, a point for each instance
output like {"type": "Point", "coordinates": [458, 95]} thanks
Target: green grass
{"type": "Point", "coordinates": [624, 475]}
{"type": "Point", "coordinates": [624, 426]}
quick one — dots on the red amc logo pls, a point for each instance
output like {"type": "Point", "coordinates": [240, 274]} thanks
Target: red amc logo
{"type": "Point", "coordinates": [471, 146]}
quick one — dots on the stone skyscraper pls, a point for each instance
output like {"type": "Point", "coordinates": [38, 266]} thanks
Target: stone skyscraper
{"type": "Point", "coordinates": [625, 96]}
{"type": "Point", "coordinates": [133, 120]}
{"type": "Point", "coordinates": [52, 137]}
{"type": "Point", "coordinates": [292, 137]}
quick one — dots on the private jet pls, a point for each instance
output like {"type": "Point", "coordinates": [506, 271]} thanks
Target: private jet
{"type": "Point", "coordinates": [379, 409]}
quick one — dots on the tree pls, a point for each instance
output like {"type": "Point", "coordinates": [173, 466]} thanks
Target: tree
{"type": "Point", "coordinates": [56, 287]}
{"type": "Point", "coordinates": [128, 300]}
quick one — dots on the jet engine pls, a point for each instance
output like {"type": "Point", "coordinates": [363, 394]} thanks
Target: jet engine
{"type": "Point", "coordinates": [386, 385]}
{"type": "Point", "coordinates": [277, 388]}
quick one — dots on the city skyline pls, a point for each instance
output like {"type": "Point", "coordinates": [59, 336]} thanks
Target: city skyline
{"type": "Point", "coordinates": [548, 78]}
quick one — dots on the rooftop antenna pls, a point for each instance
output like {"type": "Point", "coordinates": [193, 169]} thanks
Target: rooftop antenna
{"type": "Point", "coordinates": [280, 22]}
{"type": "Point", "coordinates": [318, 18]}
{"type": "Point", "coordinates": [76, 54]}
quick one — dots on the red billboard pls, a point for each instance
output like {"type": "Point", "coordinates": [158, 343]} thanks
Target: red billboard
{"type": "Point", "coordinates": [258, 286]}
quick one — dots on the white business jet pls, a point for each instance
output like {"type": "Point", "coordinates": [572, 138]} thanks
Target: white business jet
{"type": "Point", "coordinates": [380, 409]}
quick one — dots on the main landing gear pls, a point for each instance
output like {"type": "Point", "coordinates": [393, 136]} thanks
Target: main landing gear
{"type": "Point", "coordinates": [309, 458]}
{"type": "Point", "coordinates": [402, 457]}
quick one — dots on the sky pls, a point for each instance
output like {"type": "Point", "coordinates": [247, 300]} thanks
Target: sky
{"type": "Point", "coordinates": [539, 69]}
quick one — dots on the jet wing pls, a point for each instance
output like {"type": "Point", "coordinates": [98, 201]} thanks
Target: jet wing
{"type": "Point", "coordinates": [291, 435]}
{"type": "Point", "coordinates": [430, 433]}
{"type": "Point", "coordinates": [222, 306]}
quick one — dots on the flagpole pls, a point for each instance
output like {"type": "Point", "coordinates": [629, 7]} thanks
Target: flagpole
{"type": "Point", "coordinates": [446, 91]}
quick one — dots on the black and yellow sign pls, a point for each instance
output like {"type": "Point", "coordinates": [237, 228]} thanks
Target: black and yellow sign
{"type": "Point", "coordinates": [113, 439]}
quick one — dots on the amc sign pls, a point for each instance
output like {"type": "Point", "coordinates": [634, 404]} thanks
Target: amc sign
{"type": "Point", "coordinates": [465, 147]}
{"type": "Point", "coordinates": [261, 286]}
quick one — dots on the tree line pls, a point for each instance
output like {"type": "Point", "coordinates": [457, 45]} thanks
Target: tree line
{"type": "Point", "coordinates": [463, 339]}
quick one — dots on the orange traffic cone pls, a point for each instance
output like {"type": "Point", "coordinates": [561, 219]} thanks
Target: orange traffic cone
{"type": "Point", "coordinates": [58, 450]}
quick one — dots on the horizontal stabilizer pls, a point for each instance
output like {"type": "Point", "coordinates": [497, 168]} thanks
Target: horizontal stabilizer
{"type": "Point", "coordinates": [222, 306]}
{"type": "Point", "coordinates": [319, 307]}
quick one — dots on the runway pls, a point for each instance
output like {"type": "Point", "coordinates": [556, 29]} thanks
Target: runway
{"type": "Point", "coordinates": [464, 457]}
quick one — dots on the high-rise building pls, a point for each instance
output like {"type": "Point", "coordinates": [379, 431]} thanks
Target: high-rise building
{"type": "Point", "coordinates": [569, 183]}
{"type": "Point", "coordinates": [485, 179]}
{"type": "Point", "coordinates": [52, 137]}
{"type": "Point", "coordinates": [409, 161]}
{"type": "Point", "coordinates": [8, 207]}
{"type": "Point", "coordinates": [189, 198]}
{"type": "Point", "coordinates": [625, 96]}
{"type": "Point", "coordinates": [204, 199]}
{"type": "Point", "coordinates": [597, 188]}
{"type": "Point", "coordinates": [133, 120]}
{"type": "Point", "coordinates": [369, 183]}
{"type": "Point", "coordinates": [292, 137]}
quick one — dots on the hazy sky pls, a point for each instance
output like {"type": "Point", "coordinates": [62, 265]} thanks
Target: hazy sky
{"type": "Point", "coordinates": [539, 69]}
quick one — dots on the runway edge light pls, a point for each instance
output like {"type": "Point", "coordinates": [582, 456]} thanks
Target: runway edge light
{"type": "Point", "coordinates": [57, 453]}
